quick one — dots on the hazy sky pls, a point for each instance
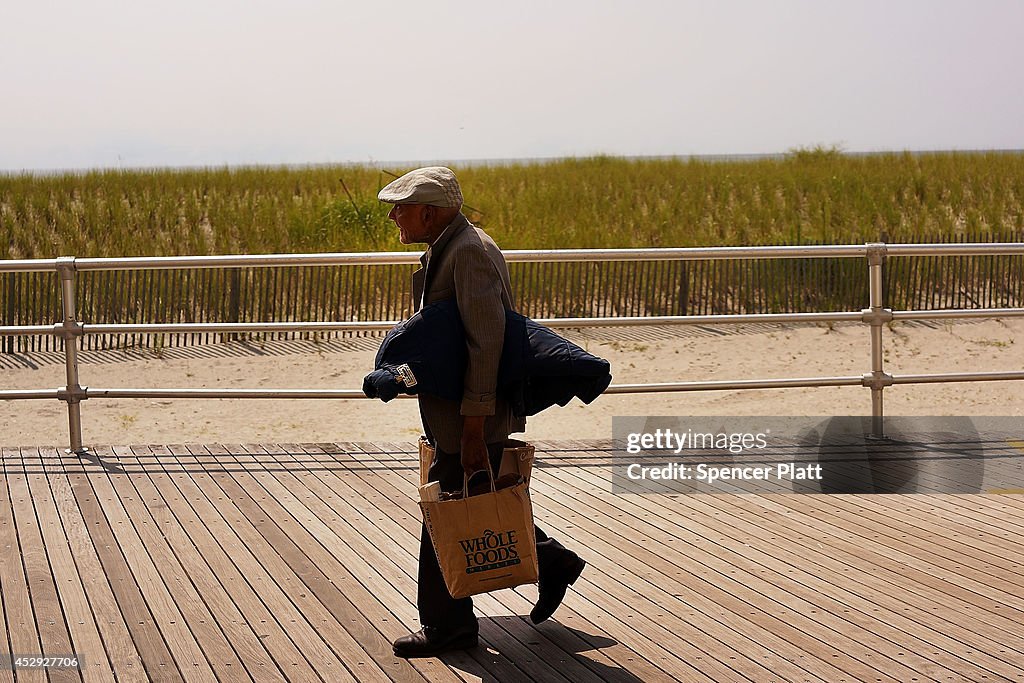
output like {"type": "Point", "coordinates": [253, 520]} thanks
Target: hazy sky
{"type": "Point", "coordinates": [107, 83]}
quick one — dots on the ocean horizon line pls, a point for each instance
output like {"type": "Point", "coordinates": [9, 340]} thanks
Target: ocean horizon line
{"type": "Point", "coordinates": [493, 161]}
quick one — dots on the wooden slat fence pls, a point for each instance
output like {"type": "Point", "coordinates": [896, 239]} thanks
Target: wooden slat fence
{"type": "Point", "coordinates": [543, 289]}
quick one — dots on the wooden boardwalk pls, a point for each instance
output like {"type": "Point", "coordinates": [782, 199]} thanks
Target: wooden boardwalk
{"type": "Point", "coordinates": [297, 562]}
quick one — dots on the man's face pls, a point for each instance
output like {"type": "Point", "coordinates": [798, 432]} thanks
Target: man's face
{"type": "Point", "coordinates": [411, 221]}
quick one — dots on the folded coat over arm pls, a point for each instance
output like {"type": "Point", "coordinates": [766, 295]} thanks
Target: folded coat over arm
{"type": "Point", "coordinates": [538, 368]}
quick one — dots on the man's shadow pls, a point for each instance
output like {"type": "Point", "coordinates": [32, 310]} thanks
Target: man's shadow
{"type": "Point", "coordinates": [491, 663]}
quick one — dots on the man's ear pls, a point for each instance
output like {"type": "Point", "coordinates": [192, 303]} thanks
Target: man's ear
{"type": "Point", "coordinates": [428, 215]}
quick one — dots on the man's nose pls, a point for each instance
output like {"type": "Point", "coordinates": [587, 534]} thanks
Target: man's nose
{"type": "Point", "coordinates": [391, 213]}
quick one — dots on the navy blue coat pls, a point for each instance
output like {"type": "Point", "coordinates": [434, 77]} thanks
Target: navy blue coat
{"type": "Point", "coordinates": [538, 369]}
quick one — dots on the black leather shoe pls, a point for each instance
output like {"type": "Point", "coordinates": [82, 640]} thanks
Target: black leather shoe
{"type": "Point", "coordinates": [429, 642]}
{"type": "Point", "coordinates": [552, 591]}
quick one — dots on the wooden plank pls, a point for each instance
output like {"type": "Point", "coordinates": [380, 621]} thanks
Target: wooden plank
{"type": "Point", "coordinates": [656, 561]}
{"type": "Point", "coordinates": [921, 584]}
{"type": "Point", "coordinates": [991, 553]}
{"type": "Point", "coordinates": [152, 484]}
{"type": "Point", "coordinates": [498, 661]}
{"type": "Point", "coordinates": [21, 631]}
{"type": "Point", "coordinates": [305, 544]}
{"type": "Point", "coordinates": [919, 576]}
{"type": "Point", "coordinates": [256, 607]}
{"type": "Point", "coordinates": [153, 651]}
{"type": "Point", "coordinates": [611, 658]}
{"type": "Point", "coordinates": [306, 622]}
{"type": "Point", "coordinates": [185, 608]}
{"type": "Point", "coordinates": [73, 600]}
{"type": "Point", "coordinates": [404, 582]}
{"type": "Point", "coordinates": [781, 534]}
{"type": "Point", "coordinates": [141, 561]}
{"type": "Point", "coordinates": [886, 587]}
{"type": "Point", "coordinates": [523, 643]}
{"type": "Point", "coordinates": [997, 510]}
{"type": "Point", "coordinates": [49, 616]}
{"type": "Point", "coordinates": [666, 660]}
{"type": "Point", "coordinates": [120, 649]}
{"type": "Point", "coordinates": [699, 540]}
{"type": "Point", "coordinates": [934, 613]}
{"type": "Point", "coordinates": [1009, 504]}
{"type": "Point", "coordinates": [360, 549]}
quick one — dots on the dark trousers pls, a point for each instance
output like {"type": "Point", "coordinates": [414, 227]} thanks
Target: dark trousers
{"type": "Point", "coordinates": [438, 609]}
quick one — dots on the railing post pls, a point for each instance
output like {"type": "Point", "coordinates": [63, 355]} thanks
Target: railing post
{"type": "Point", "coordinates": [70, 330]}
{"type": "Point", "coordinates": [876, 316]}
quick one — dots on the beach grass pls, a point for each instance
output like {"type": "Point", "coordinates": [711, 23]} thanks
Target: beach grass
{"type": "Point", "coordinates": [808, 196]}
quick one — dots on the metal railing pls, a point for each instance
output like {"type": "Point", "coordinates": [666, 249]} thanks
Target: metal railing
{"type": "Point", "coordinates": [876, 315]}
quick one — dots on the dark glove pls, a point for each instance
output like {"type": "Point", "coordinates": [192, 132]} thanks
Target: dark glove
{"type": "Point", "coordinates": [381, 384]}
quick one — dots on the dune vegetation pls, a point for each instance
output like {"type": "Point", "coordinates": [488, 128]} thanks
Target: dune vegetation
{"type": "Point", "coordinates": [807, 196]}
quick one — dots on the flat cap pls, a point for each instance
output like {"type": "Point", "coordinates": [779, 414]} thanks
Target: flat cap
{"type": "Point", "coordinates": [433, 185]}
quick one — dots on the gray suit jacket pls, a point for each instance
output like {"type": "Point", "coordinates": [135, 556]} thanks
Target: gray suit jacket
{"type": "Point", "coordinates": [465, 264]}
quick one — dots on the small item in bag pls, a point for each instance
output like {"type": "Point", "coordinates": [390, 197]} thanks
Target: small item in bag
{"type": "Point", "coordinates": [509, 480]}
{"type": "Point", "coordinates": [426, 455]}
{"type": "Point", "coordinates": [480, 486]}
{"type": "Point", "coordinates": [430, 493]}
{"type": "Point", "coordinates": [517, 457]}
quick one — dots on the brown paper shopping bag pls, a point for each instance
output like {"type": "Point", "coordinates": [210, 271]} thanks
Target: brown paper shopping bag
{"type": "Point", "coordinates": [484, 542]}
{"type": "Point", "coordinates": [517, 458]}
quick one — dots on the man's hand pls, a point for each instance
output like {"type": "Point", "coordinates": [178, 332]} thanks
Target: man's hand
{"type": "Point", "coordinates": [473, 448]}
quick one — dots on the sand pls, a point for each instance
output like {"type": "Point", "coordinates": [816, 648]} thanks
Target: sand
{"type": "Point", "coordinates": [638, 355]}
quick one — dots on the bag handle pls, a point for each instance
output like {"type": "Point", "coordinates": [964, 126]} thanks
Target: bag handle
{"type": "Point", "coordinates": [466, 476]}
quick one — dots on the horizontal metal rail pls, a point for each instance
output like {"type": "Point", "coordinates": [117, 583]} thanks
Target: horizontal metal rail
{"type": "Point", "coordinates": [156, 328]}
{"type": "Point", "coordinates": [16, 394]}
{"type": "Point", "coordinates": [28, 265]}
{"type": "Point", "coordinates": [25, 330]}
{"type": "Point", "coordinates": [716, 385]}
{"type": "Point", "coordinates": [948, 314]}
{"type": "Point", "coordinates": [517, 256]}
{"type": "Point", "coordinates": [958, 377]}
{"type": "Point", "coordinates": [961, 249]}
{"type": "Point", "coordinates": [725, 385]}
{"type": "Point", "coordinates": [92, 392]}
{"type": "Point", "coordinates": [875, 316]}
{"type": "Point", "coordinates": [384, 325]}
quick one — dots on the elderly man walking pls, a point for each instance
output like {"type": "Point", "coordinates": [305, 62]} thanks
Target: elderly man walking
{"type": "Point", "coordinates": [463, 263]}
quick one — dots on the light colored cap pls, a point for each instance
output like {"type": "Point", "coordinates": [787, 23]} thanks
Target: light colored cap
{"type": "Point", "coordinates": [433, 185]}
